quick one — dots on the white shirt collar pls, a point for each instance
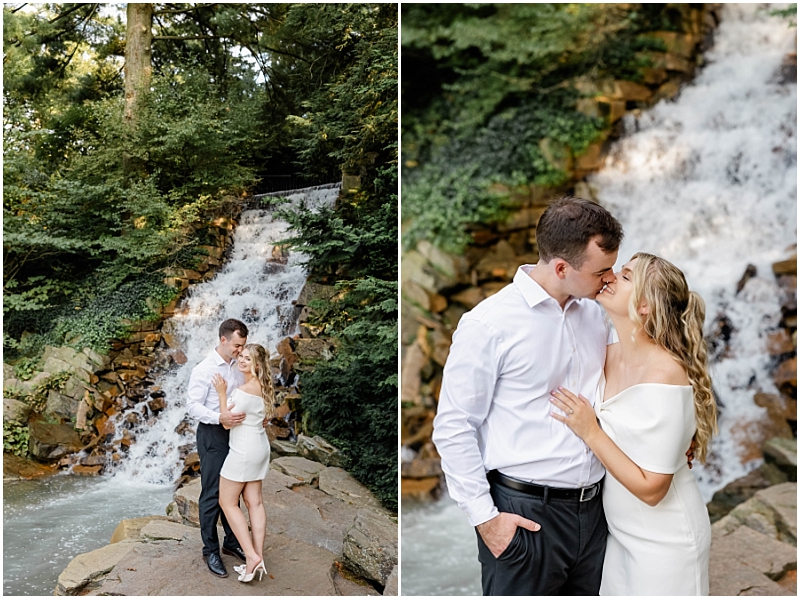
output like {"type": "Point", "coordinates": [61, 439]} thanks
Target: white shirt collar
{"type": "Point", "coordinates": [534, 293]}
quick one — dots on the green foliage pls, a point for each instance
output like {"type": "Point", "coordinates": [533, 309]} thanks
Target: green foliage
{"type": "Point", "coordinates": [487, 87]}
{"type": "Point", "coordinates": [93, 317]}
{"type": "Point", "coordinates": [15, 437]}
{"type": "Point", "coordinates": [26, 368]}
{"type": "Point", "coordinates": [789, 13]}
{"type": "Point", "coordinates": [352, 400]}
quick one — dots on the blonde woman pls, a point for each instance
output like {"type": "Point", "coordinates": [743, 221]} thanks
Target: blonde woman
{"type": "Point", "coordinates": [248, 458]}
{"type": "Point", "coordinates": [654, 398]}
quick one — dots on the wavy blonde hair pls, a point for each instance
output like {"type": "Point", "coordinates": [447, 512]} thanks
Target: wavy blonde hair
{"type": "Point", "coordinates": [675, 323]}
{"type": "Point", "coordinates": [259, 368]}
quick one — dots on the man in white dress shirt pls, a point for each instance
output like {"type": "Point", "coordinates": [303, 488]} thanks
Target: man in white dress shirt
{"type": "Point", "coordinates": [202, 404]}
{"type": "Point", "coordinates": [527, 483]}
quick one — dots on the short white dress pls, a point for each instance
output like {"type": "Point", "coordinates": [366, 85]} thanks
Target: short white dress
{"type": "Point", "coordinates": [248, 454]}
{"type": "Point", "coordinates": [663, 549]}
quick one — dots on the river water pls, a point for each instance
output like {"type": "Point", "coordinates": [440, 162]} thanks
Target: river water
{"type": "Point", "coordinates": [708, 181]}
{"type": "Point", "coordinates": [47, 522]}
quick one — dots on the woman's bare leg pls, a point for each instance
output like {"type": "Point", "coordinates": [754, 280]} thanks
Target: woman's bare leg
{"type": "Point", "coordinates": [258, 516]}
{"type": "Point", "coordinates": [229, 492]}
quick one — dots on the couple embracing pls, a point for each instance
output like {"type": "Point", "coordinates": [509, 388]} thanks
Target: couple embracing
{"type": "Point", "coordinates": [565, 440]}
{"type": "Point", "coordinates": [231, 395]}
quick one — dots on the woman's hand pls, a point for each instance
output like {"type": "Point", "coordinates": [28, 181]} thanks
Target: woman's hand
{"type": "Point", "coordinates": [578, 412]}
{"type": "Point", "coordinates": [220, 384]}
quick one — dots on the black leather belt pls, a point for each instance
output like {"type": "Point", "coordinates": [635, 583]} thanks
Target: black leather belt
{"type": "Point", "coordinates": [582, 494]}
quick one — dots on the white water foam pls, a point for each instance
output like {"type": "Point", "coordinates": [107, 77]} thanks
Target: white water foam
{"type": "Point", "coordinates": [251, 287]}
{"type": "Point", "coordinates": [709, 182]}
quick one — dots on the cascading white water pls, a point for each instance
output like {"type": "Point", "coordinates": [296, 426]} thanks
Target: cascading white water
{"type": "Point", "coordinates": [709, 182]}
{"type": "Point", "coordinates": [252, 287]}
{"type": "Point", "coordinates": [46, 523]}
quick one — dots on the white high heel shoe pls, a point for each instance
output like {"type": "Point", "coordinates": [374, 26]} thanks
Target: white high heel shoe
{"type": "Point", "coordinates": [245, 577]}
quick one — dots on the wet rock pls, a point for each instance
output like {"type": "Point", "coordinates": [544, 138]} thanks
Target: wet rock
{"type": "Point", "coordinates": [87, 570]}
{"type": "Point", "coordinates": [339, 484]}
{"type": "Point", "coordinates": [45, 438]}
{"type": "Point", "coordinates": [299, 468]}
{"type": "Point", "coordinates": [19, 468]}
{"type": "Point", "coordinates": [319, 450]}
{"type": "Point", "coordinates": [786, 377]}
{"type": "Point", "coordinates": [87, 470]}
{"type": "Point", "coordinates": [370, 546]}
{"type": "Point", "coordinates": [777, 405]}
{"type": "Point", "coordinates": [779, 343]}
{"type": "Point", "coordinates": [786, 267]}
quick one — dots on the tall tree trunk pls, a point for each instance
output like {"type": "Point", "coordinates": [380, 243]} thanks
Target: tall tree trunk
{"type": "Point", "coordinates": [138, 51]}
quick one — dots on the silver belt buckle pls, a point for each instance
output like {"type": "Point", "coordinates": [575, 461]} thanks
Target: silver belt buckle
{"type": "Point", "coordinates": [588, 496]}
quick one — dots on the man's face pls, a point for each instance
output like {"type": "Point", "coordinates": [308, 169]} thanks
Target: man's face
{"type": "Point", "coordinates": [230, 348]}
{"type": "Point", "coordinates": [594, 273]}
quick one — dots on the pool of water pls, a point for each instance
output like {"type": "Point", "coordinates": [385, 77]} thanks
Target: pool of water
{"type": "Point", "coordinates": [47, 522]}
{"type": "Point", "coordinates": [440, 551]}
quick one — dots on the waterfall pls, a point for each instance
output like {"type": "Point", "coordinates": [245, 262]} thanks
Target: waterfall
{"type": "Point", "coordinates": [709, 182]}
{"type": "Point", "coordinates": [252, 287]}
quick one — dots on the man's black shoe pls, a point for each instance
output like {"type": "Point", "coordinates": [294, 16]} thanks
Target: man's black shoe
{"type": "Point", "coordinates": [214, 563]}
{"type": "Point", "coordinates": [235, 552]}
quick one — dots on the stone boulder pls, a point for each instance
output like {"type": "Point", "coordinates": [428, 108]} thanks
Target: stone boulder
{"type": "Point", "coordinates": [186, 503]}
{"type": "Point", "coordinates": [370, 546]}
{"type": "Point", "coordinates": [14, 409]}
{"type": "Point", "coordinates": [771, 512]}
{"type": "Point", "coordinates": [88, 570]}
{"type": "Point", "coordinates": [299, 468]}
{"type": "Point", "coordinates": [280, 448]}
{"type": "Point", "coordinates": [746, 562]}
{"type": "Point", "coordinates": [783, 453]}
{"type": "Point", "coordinates": [52, 441]}
{"type": "Point", "coordinates": [339, 484]}
{"type": "Point", "coordinates": [319, 450]}
{"type": "Point", "coordinates": [310, 350]}
{"type": "Point", "coordinates": [391, 588]}
{"type": "Point", "coordinates": [130, 529]}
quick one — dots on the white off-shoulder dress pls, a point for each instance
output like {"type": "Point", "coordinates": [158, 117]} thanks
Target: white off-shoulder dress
{"type": "Point", "coordinates": [248, 454]}
{"type": "Point", "coordinates": [663, 549]}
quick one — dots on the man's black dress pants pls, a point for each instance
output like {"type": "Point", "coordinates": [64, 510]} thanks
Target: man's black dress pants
{"type": "Point", "coordinates": [565, 557]}
{"type": "Point", "coordinates": [212, 446]}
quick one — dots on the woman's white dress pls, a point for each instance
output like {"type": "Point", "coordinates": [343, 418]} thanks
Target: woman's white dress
{"type": "Point", "coordinates": [248, 454]}
{"type": "Point", "coordinates": [659, 550]}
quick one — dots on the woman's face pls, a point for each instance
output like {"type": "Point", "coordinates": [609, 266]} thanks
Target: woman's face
{"type": "Point", "coordinates": [245, 361]}
{"type": "Point", "coordinates": [615, 296]}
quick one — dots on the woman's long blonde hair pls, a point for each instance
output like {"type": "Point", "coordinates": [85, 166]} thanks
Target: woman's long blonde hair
{"type": "Point", "coordinates": [259, 367]}
{"type": "Point", "coordinates": [675, 323]}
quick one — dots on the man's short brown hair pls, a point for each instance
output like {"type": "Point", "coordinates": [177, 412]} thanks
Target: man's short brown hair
{"type": "Point", "coordinates": [227, 328]}
{"type": "Point", "coordinates": [569, 224]}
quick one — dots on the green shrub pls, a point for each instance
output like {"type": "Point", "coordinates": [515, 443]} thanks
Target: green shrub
{"type": "Point", "coordinates": [15, 437]}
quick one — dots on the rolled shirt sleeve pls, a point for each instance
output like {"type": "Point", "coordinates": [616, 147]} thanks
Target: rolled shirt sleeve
{"type": "Point", "coordinates": [196, 394]}
{"type": "Point", "coordinates": [470, 375]}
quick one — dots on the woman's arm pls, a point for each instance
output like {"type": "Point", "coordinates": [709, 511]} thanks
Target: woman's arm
{"type": "Point", "coordinates": [579, 415]}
